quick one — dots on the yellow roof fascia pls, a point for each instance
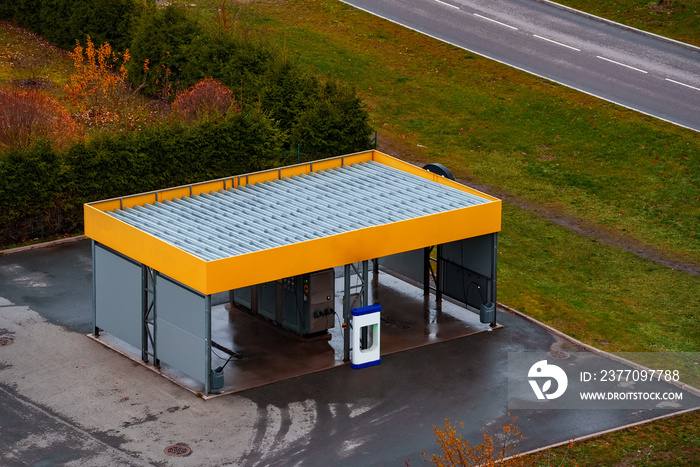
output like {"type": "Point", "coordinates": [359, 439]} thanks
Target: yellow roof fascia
{"type": "Point", "coordinates": [275, 263]}
{"type": "Point", "coordinates": [145, 248]}
{"type": "Point", "coordinates": [350, 247]}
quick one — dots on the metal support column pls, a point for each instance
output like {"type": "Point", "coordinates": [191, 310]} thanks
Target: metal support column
{"type": "Point", "coordinates": [426, 271]}
{"type": "Point", "coordinates": [207, 344]}
{"type": "Point", "coordinates": [148, 302]}
{"type": "Point", "coordinates": [95, 329]}
{"type": "Point", "coordinates": [494, 264]}
{"type": "Point", "coordinates": [365, 283]}
{"type": "Point", "coordinates": [438, 274]}
{"type": "Point", "coordinates": [353, 300]}
{"type": "Point", "coordinates": [153, 315]}
{"type": "Point", "coordinates": [346, 314]}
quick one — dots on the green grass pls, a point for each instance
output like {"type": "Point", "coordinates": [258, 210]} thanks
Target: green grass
{"type": "Point", "coordinates": [676, 19]}
{"type": "Point", "coordinates": [620, 171]}
{"type": "Point", "coordinates": [25, 55]}
{"type": "Point", "coordinates": [617, 170]}
{"type": "Point", "coordinates": [594, 291]}
{"type": "Point", "coordinates": [670, 442]}
{"type": "Point", "coordinates": [632, 175]}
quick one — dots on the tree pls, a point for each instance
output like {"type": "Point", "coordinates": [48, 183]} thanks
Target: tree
{"type": "Point", "coordinates": [163, 38]}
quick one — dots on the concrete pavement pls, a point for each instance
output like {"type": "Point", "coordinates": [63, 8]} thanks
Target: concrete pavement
{"type": "Point", "coordinates": [67, 400]}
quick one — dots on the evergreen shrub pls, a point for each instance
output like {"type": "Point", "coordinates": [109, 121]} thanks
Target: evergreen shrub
{"type": "Point", "coordinates": [44, 188]}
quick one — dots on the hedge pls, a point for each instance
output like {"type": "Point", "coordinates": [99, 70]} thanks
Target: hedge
{"type": "Point", "coordinates": [44, 190]}
{"type": "Point", "coordinates": [284, 108]}
{"type": "Point", "coordinates": [62, 22]}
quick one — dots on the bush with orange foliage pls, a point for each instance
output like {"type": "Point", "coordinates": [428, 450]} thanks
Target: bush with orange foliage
{"type": "Point", "coordinates": [99, 82]}
{"type": "Point", "coordinates": [456, 451]}
{"type": "Point", "coordinates": [206, 99]}
{"type": "Point", "coordinates": [27, 115]}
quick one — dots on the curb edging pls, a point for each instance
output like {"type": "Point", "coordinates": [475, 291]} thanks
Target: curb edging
{"type": "Point", "coordinates": [38, 246]}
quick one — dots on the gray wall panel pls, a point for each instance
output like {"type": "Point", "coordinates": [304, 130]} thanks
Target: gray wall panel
{"type": "Point", "coordinates": [180, 327]}
{"type": "Point", "coordinates": [409, 264]}
{"type": "Point", "coordinates": [118, 296]}
{"type": "Point", "coordinates": [181, 349]}
{"type": "Point", "coordinates": [473, 253]}
{"type": "Point", "coordinates": [180, 306]}
{"type": "Point", "coordinates": [467, 269]}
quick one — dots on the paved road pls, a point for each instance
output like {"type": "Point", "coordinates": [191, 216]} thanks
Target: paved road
{"type": "Point", "coordinates": [644, 73]}
{"type": "Point", "coordinates": [64, 397]}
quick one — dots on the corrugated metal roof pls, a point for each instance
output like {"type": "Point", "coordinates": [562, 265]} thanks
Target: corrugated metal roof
{"type": "Point", "coordinates": [227, 223]}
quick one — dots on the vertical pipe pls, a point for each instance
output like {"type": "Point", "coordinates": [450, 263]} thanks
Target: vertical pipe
{"type": "Point", "coordinates": [494, 265]}
{"type": "Point", "coordinates": [144, 313]}
{"type": "Point", "coordinates": [438, 274]}
{"type": "Point", "coordinates": [207, 345]}
{"type": "Point", "coordinates": [95, 329]}
{"type": "Point", "coordinates": [346, 315]}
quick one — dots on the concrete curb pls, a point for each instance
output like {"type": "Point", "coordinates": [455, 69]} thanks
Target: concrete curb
{"type": "Point", "coordinates": [602, 433]}
{"type": "Point", "coordinates": [38, 246]}
{"type": "Point", "coordinates": [618, 25]}
{"type": "Point", "coordinates": [624, 361]}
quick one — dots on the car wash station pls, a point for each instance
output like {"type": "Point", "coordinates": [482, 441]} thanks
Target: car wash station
{"type": "Point", "coordinates": [233, 283]}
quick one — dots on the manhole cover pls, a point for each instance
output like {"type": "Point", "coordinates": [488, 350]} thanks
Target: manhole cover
{"type": "Point", "coordinates": [178, 450]}
{"type": "Point", "coordinates": [558, 355]}
{"type": "Point", "coordinates": [5, 341]}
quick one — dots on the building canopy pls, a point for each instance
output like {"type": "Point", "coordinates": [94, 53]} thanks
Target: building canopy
{"type": "Point", "coordinates": [249, 229]}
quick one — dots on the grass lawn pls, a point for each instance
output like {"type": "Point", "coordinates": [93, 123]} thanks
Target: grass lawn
{"type": "Point", "coordinates": [24, 56]}
{"type": "Point", "coordinates": [623, 173]}
{"type": "Point", "coordinates": [670, 442]}
{"type": "Point", "coordinates": [676, 19]}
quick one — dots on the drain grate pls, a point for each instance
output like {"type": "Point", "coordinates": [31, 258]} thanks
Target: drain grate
{"type": "Point", "coordinates": [5, 341]}
{"type": "Point", "coordinates": [558, 355]}
{"type": "Point", "coordinates": [178, 450]}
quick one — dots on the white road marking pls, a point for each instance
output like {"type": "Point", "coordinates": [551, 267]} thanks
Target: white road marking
{"type": "Point", "coordinates": [683, 84]}
{"type": "Point", "coordinates": [447, 4]}
{"type": "Point", "coordinates": [558, 43]}
{"type": "Point", "coordinates": [621, 64]}
{"type": "Point", "coordinates": [494, 21]}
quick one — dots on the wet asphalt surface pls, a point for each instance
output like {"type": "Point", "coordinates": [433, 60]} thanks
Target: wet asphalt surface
{"type": "Point", "coordinates": [382, 415]}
